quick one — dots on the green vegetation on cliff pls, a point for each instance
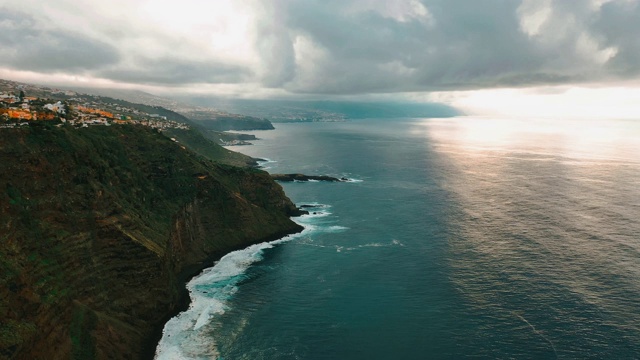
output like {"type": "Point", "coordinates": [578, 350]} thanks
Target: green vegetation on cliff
{"type": "Point", "coordinates": [100, 227]}
{"type": "Point", "coordinates": [198, 143]}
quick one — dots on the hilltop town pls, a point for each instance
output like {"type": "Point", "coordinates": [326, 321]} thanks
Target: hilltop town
{"type": "Point", "coordinates": [21, 104]}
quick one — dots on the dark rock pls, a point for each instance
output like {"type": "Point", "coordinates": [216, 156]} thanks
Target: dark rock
{"type": "Point", "coordinates": [302, 177]}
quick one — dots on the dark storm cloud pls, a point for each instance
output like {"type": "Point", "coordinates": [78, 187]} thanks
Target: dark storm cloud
{"type": "Point", "coordinates": [463, 45]}
{"type": "Point", "coordinates": [344, 46]}
{"type": "Point", "coordinates": [25, 45]}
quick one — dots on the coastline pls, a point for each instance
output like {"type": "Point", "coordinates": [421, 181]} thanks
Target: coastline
{"type": "Point", "coordinates": [185, 276]}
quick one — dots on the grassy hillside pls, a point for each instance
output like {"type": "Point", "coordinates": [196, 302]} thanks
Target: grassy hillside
{"type": "Point", "coordinates": [194, 140]}
{"type": "Point", "coordinates": [100, 227]}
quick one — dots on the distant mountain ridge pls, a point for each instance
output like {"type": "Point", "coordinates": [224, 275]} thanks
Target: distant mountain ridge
{"type": "Point", "coordinates": [328, 110]}
{"type": "Point", "coordinates": [280, 110]}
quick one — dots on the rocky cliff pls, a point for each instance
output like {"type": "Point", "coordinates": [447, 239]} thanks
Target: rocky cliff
{"type": "Point", "coordinates": [100, 228]}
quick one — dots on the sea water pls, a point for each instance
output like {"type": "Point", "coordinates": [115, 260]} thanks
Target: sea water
{"type": "Point", "coordinates": [457, 238]}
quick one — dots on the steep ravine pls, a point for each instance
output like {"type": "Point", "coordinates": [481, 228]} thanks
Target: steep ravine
{"type": "Point", "coordinates": [101, 227]}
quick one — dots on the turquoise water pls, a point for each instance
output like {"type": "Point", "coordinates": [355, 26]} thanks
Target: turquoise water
{"type": "Point", "coordinates": [460, 238]}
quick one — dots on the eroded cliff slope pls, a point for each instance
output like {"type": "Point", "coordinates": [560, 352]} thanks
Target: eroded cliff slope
{"type": "Point", "coordinates": [100, 227]}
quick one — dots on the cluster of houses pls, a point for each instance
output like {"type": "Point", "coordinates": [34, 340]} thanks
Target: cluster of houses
{"type": "Point", "coordinates": [22, 109]}
{"type": "Point", "coordinates": [14, 107]}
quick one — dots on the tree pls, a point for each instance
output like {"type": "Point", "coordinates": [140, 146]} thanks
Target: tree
{"type": "Point", "coordinates": [21, 96]}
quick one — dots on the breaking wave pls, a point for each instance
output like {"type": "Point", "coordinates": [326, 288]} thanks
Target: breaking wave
{"type": "Point", "coordinates": [188, 335]}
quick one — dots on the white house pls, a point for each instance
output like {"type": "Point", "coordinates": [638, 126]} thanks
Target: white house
{"type": "Point", "coordinates": [57, 107]}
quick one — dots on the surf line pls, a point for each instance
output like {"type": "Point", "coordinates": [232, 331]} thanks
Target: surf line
{"type": "Point", "coordinates": [210, 292]}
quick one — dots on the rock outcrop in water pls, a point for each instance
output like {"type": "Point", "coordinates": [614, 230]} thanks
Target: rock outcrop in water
{"type": "Point", "coordinates": [302, 177]}
{"type": "Point", "coordinates": [100, 228]}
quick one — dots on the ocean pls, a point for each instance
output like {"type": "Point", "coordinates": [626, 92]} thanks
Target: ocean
{"type": "Point", "coordinates": [468, 237]}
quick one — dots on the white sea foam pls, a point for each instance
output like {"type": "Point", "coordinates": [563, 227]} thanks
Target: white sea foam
{"type": "Point", "coordinates": [317, 214]}
{"type": "Point", "coordinates": [184, 336]}
{"type": "Point", "coordinates": [336, 228]}
{"type": "Point", "coordinates": [348, 178]}
{"type": "Point", "coordinates": [188, 335]}
{"type": "Point", "coordinates": [264, 163]}
{"type": "Point", "coordinates": [315, 211]}
{"type": "Point", "coordinates": [340, 248]}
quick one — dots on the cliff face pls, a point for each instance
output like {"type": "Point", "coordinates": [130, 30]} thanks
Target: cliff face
{"type": "Point", "coordinates": [100, 227]}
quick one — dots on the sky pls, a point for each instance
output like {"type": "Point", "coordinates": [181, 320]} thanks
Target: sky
{"type": "Point", "coordinates": [512, 57]}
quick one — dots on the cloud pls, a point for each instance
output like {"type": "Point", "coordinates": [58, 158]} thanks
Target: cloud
{"type": "Point", "coordinates": [617, 23]}
{"type": "Point", "coordinates": [24, 45]}
{"type": "Point", "coordinates": [460, 45]}
{"type": "Point", "coordinates": [174, 71]}
{"type": "Point", "coordinates": [276, 50]}
{"type": "Point", "coordinates": [328, 46]}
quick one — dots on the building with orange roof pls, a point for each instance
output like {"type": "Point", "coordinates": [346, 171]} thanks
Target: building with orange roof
{"type": "Point", "coordinates": [18, 114]}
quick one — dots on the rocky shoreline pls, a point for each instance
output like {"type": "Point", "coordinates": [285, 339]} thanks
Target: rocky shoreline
{"type": "Point", "coordinates": [150, 346]}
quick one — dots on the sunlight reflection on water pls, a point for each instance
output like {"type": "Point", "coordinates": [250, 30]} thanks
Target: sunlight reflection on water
{"type": "Point", "coordinates": [547, 230]}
